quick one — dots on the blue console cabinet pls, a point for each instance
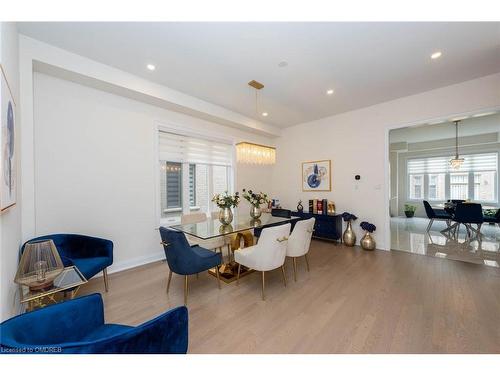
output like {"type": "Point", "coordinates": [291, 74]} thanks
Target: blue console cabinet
{"type": "Point", "coordinates": [327, 227]}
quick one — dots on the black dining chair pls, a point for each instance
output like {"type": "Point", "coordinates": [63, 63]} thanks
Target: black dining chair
{"type": "Point", "coordinates": [468, 214]}
{"type": "Point", "coordinates": [438, 214]}
{"type": "Point", "coordinates": [493, 219]}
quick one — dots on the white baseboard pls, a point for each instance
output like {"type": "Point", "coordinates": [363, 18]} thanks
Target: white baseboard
{"type": "Point", "coordinates": [135, 262]}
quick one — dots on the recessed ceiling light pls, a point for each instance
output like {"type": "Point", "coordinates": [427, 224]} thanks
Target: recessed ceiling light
{"type": "Point", "coordinates": [436, 55]}
{"type": "Point", "coordinates": [436, 122]}
{"type": "Point", "coordinates": [151, 67]}
{"type": "Point", "coordinates": [458, 118]}
{"type": "Point", "coordinates": [483, 114]}
{"type": "Point", "coordinates": [265, 114]}
{"type": "Point", "coordinates": [329, 92]}
{"type": "Point", "coordinates": [283, 64]}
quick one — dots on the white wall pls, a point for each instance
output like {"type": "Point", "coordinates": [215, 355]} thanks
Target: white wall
{"type": "Point", "coordinates": [96, 168]}
{"type": "Point", "coordinates": [10, 220]}
{"type": "Point", "coordinates": [357, 143]}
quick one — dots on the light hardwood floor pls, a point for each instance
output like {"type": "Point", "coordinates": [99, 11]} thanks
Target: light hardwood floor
{"type": "Point", "coordinates": [352, 301]}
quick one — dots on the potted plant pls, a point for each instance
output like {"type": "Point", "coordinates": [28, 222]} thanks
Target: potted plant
{"type": "Point", "coordinates": [367, 242]}
{"type": "Point", "coordinates": [255, 200]}
{"type": "Point", "coordinates": [410, 210]}
{"type": "Point", "coordinates": [349, 237]}
{"type": "Point", "coordinates": [225, 202]}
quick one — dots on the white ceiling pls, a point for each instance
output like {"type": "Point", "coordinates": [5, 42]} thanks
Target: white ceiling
{"type": "Point", "coordinates": [366, 63]}
{"type": "Point", "coordinates": [430, 132]}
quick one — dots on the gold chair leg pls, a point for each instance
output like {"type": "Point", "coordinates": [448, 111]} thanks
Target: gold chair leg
{"type": "Point", "coordinates": [197, 275]}
{"type": "Point", "coordinates": [294, 268]}
{"type": "Point", "coordinates": [186, 290]}
{"type": "Point", "coordinates": [238, 275]}
{"type": "Point", "coordinates": [105, 277]}
{"type": "Point", "coordinates": [263, 285]}
{"type": "Point", "coordinates": [169, 279]}
{"type": "Point", "coordinates": [283, 273]}
{"type": "Point", "coordinates": [307, 262]}
{"type": "Point", "coordinates": [218, 276]}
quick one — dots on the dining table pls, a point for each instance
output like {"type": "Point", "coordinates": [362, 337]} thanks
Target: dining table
{"type": "Point", "coordinates": [239, 234]}
{"type": "Point", "coordinates": [450, 208]}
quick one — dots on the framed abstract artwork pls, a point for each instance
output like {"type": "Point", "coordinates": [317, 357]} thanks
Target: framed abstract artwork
{"type": "Point", "coordinates": [7, 141]}
{"type": "Point", "coordinates": [317, 175]}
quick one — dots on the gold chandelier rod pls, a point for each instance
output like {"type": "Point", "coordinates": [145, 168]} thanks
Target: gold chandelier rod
{"type": "Point", "coordinates": [255, 144]}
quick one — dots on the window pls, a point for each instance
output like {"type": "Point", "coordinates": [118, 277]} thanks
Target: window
{"type": "Point", "coordinates": [192, 171]}
{"type": "Point", "coordinates": [192, 184]}
{"type": "Point", "coordinates": [417, 186]}
{"type": "Point", "coordinates": [459, 186]}
{"type": "Point", "coordinates": [484, 186]}
{"type": "Point", "coordinates": [437, 186]}
{"type": "Point", "coordinates": [433, 179]}
{"type": "Point", "coordinates": [173, 185]}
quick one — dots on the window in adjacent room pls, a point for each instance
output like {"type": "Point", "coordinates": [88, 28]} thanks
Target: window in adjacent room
{"type": "Point", "coordinates": [433, 179]}
{"type": "Point", "coordinates": [484, 186]}
{"type": "Point", "coordinates": [437, 186]}
{"type": "Point", "coordinates": [459, 186]}
{"type": "Point", "coordinates": [416, 186]}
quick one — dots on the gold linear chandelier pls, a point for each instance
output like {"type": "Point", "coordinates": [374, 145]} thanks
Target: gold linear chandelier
{"type": "Point", "coordinates": [252, 153]}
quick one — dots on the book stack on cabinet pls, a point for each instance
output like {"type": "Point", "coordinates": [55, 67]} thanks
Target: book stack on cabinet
{"type": "Point", "coordinates": [328, 225]}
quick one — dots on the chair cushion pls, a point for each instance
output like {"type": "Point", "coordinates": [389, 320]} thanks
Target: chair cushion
{"type": "Point", "coordinates": [105, 331]}
{"type": "Point", "coordinates": [204, 253]}
{"type": "Point", "coordinates": [90, 267]}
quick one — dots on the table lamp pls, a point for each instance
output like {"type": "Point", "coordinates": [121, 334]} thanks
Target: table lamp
{"type": "Point", "coordinates": [40, 264]}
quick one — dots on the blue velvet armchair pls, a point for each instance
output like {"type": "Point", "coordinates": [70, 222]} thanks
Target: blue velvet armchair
{"type": "Point", "coordinates": [77, 326]}
{"type": "Point", "coordinates": [90, 255]}
{"type": "Point", "coordinates": [185, 260]}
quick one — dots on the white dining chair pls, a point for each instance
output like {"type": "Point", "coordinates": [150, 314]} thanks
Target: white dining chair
{"type": "Point", "coordinates": [299, 242]}
{"type": "Point", "coordinates": [215, 243]}
{"type": "Point", "coordinates": [269, 253]}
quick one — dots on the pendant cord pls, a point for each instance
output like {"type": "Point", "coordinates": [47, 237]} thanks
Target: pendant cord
{"type": "Point", "coordinates": [456, 139]}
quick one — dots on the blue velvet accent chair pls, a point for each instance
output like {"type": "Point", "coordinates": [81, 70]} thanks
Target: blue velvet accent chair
{"type": "Point", "coordinates": [77, 326]}
{"type": "Point", "coordinates": [186, 260]}
{"type": "Point", "coordinates": [90, 255]}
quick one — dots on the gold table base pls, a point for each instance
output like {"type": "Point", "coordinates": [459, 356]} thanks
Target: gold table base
{"type": "Point", "coordinates": [228, 271]}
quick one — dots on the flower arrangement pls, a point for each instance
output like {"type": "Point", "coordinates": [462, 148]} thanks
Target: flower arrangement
{"type": "Point", "coordinates": [255, 199]}
{"type": "Point", "coordinates": [226, 200]}
{"type": "Point", "coordinates": [368, 227]}
{"type": "Point", "coordinates": [347, 216]}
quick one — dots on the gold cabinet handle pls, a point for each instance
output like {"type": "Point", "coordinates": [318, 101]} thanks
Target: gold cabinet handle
{"type": "Point", "coordinates": [165, 243]}
{"type": "Point", "coordinates": [310, 231]}
{"type": "Point", "coordinates": [282, 239]}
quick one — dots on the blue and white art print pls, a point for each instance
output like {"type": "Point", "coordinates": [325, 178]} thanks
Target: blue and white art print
{"type": "Point", "coordinates": [317, 175]}
{"type": "Point", "coordinates": [7, 143]}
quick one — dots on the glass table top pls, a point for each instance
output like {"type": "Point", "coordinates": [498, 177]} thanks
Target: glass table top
{"type": "Point", "coordinates": [213, 228]}
{"type": "Point", "coordinates": [69, 278]}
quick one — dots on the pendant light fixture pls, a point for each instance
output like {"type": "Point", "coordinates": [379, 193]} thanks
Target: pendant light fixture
{"type": "Point", "coordinates": [457, 161]}
{"type": "Point", "coordinates": [252, 153]}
